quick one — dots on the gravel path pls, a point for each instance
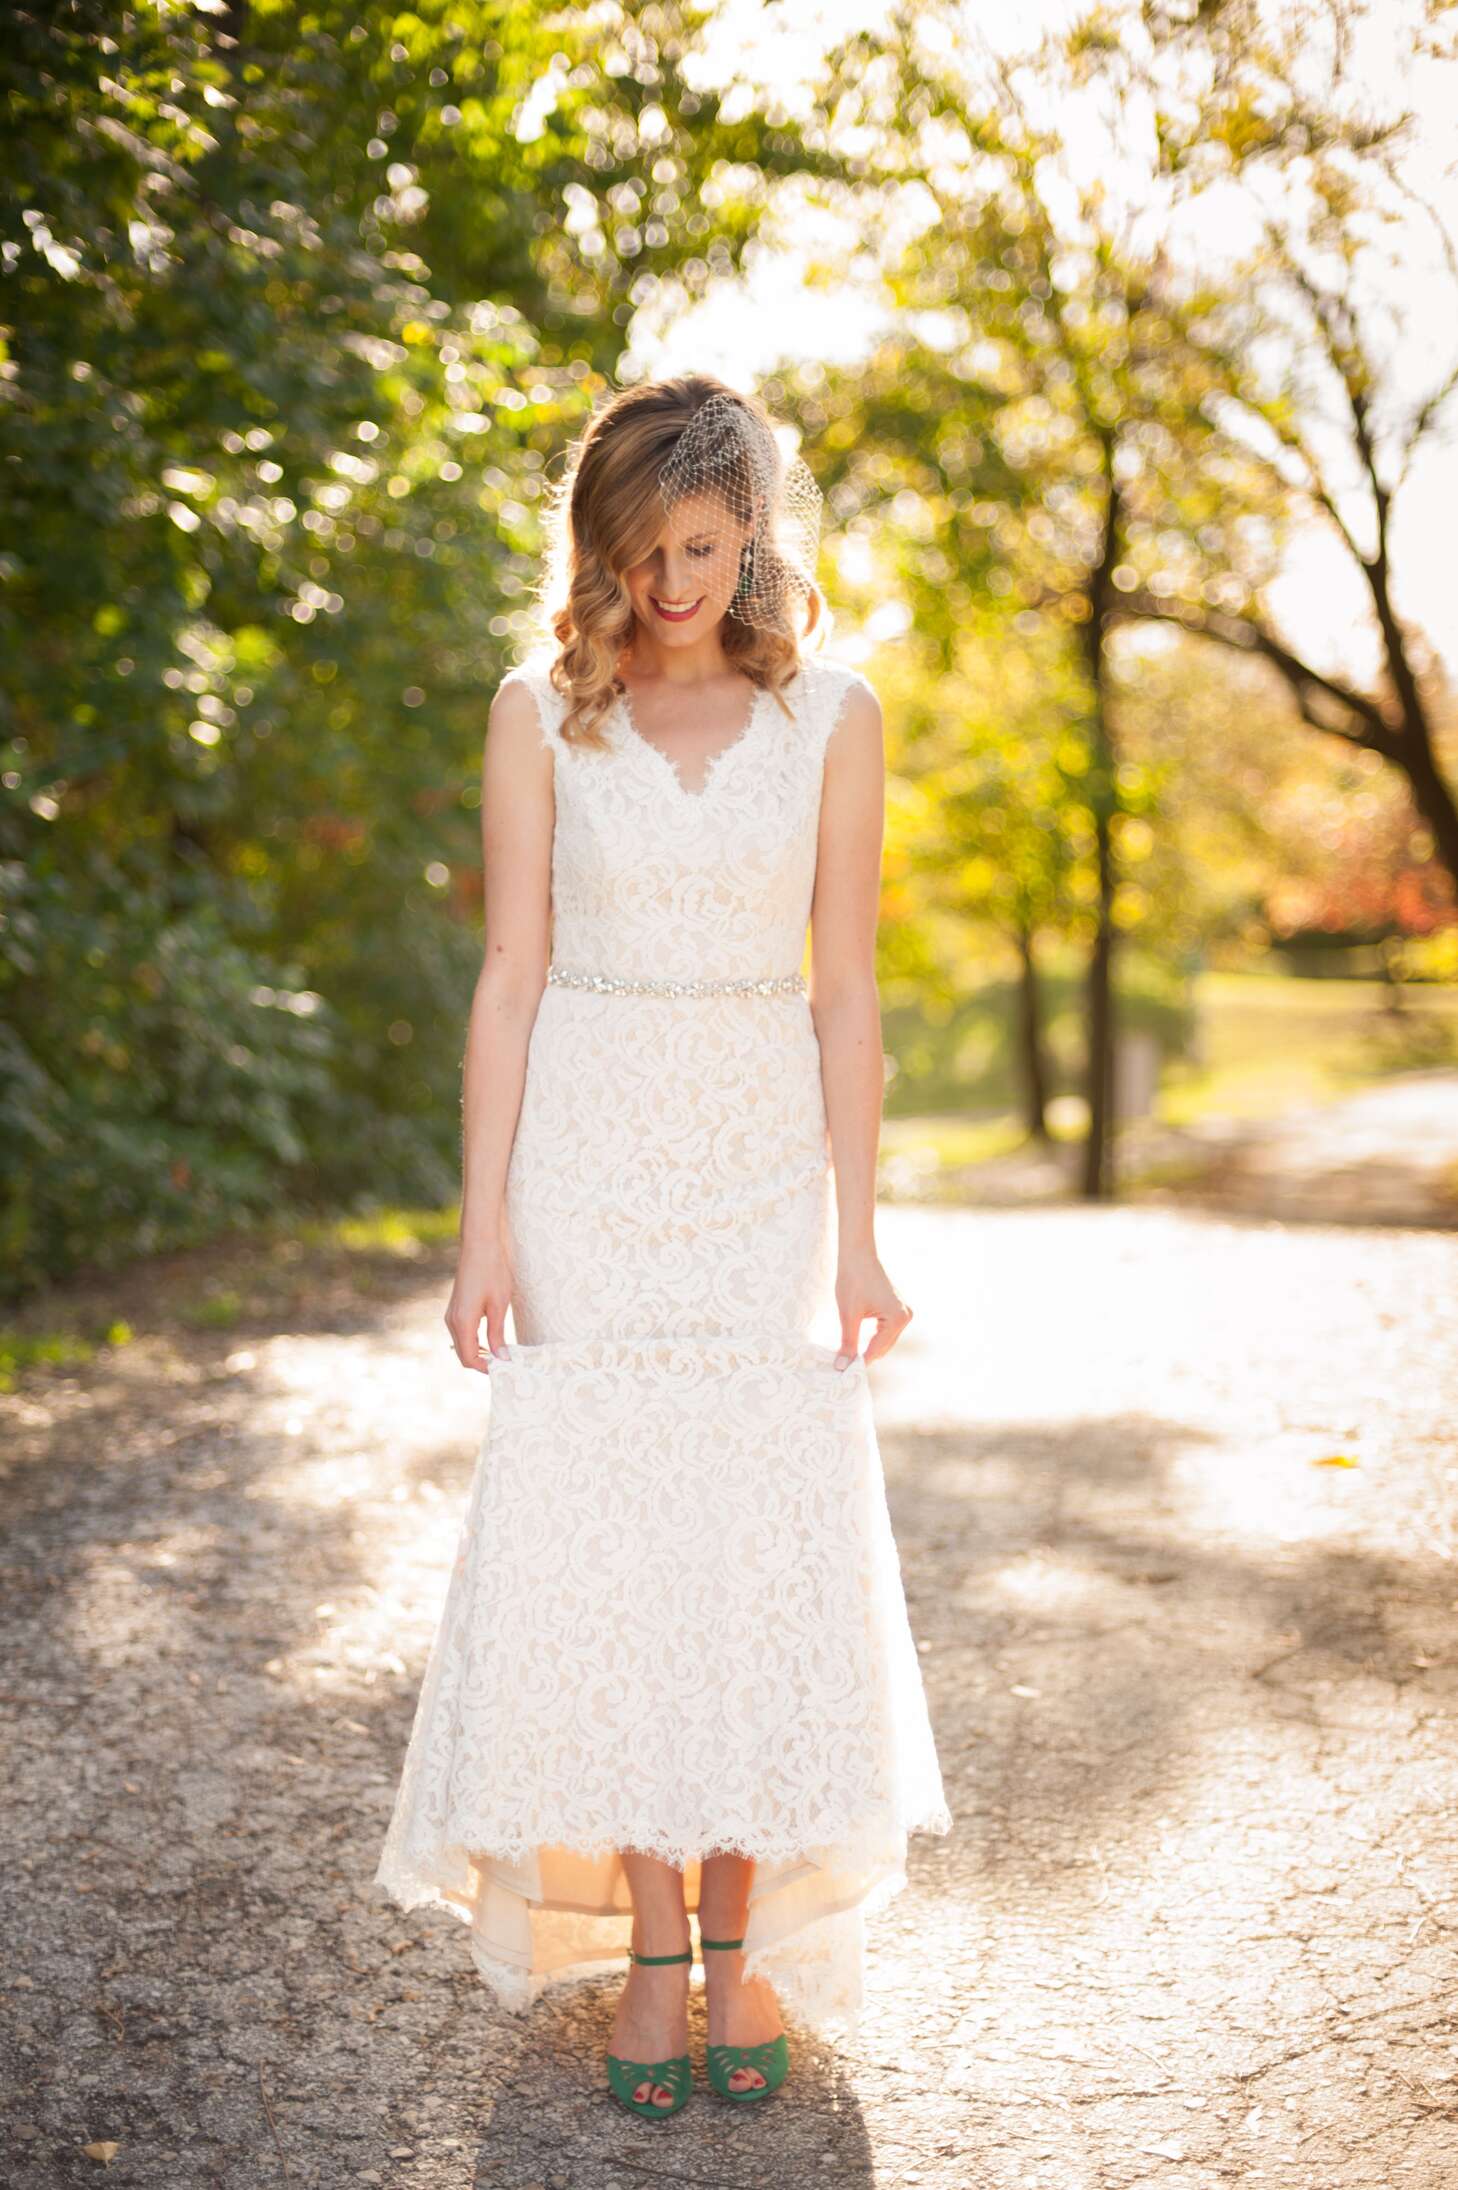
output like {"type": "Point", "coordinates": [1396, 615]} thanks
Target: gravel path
{"type": "Point", "coordinates": [1195, 1688]}
{"type": "Point", "coordinates": [1385, 1153]}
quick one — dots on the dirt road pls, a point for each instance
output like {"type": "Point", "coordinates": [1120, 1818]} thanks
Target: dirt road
{"type": "Point", "coordinates": [1177, 1499]}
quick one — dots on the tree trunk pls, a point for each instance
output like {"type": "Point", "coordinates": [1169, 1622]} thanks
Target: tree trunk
{"type": "Point", "coordinates": [1413, 741]}
{"type": "Point", "coordinates": [1097, 1182]}
{"type": "Point", "coordinates": [1431, 795]}
{"type": "Point", "coordinates": [1030, 1038]}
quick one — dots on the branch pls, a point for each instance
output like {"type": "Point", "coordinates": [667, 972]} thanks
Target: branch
{"type": "Point", "coordinates": [1246, 636]}
{"type": "Point", "coordinates": [1339, 331]}
{"type": "Point", "coordinates": [1422, 419]}
{"type": "Point", "coordinates": [1235, 387]}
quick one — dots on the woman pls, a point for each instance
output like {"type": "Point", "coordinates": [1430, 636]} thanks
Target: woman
{"type": "Point", "coordinates": [674, 1674]}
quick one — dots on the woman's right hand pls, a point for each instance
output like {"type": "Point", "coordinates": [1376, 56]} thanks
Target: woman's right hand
{"type": "Point", "coordinates": [482, 1292]}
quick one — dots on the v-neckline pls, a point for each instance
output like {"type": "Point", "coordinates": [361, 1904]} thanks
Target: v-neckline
{"type": "Point", "coordinates": [715, 760]}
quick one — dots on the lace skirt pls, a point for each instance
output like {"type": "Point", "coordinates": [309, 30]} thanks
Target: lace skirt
{"type": "Point", "coordinates": [676, 1621]}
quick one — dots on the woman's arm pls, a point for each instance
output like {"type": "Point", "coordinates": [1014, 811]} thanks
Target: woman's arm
{"type": "Point", "coordinates": [847, 1011]}
{"type": "Point", "coordinates": [516, 842]}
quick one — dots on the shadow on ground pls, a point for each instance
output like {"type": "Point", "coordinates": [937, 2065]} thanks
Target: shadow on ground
{"type": "Point", "coordinates": [1194, 1711]}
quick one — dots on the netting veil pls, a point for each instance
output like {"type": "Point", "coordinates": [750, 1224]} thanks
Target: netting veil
{"type": "Point", "coordinates": [750, 501]}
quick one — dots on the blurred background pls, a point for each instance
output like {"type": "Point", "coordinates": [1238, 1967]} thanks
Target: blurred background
{"type": "Point", "coordinates": [1123, 342]}
{"type": "Point", "coordinates": [1123, 348]}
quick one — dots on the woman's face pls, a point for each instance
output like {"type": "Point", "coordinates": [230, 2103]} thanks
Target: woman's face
{"type": "Point", "coordinates": [683, 589]}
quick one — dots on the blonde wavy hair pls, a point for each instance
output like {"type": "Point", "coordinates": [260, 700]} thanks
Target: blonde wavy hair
{"type": "Point", "coordinates": [605, 515]}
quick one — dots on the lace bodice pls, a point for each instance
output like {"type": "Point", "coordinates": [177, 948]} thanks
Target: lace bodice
{"type": "Point", "coordinates": [652, 880]}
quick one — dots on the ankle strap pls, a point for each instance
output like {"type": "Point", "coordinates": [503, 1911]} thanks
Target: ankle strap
{"type": "Point", "coordinates": [635, 1956]}
{"type": "Point", "coordinates": [703, 1942]}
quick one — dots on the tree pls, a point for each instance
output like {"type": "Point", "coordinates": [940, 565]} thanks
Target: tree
{"type": "Point", "coordinates": [1037, 409]}
{"type": "Point", "coordinates": [1079, 408]}
{"type": "Point", "coordinates": [1305, 382]}
{"type": "Point", "coordinates": [297, 306]}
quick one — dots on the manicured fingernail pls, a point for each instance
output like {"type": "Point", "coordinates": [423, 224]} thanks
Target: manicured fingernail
{"type": "Point", "coordinates": [843, 1361]}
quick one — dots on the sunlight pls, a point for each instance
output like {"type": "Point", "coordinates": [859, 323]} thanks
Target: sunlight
{"type": "Point", "coordinates": [776, 315]}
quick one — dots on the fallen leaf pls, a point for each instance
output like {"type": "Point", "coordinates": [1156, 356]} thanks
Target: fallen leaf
{"type": "Point", "coordinates": [104, 2154]}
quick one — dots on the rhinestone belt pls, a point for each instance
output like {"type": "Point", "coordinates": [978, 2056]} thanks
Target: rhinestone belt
{"type": "Point", "coordinates": [610, 984]}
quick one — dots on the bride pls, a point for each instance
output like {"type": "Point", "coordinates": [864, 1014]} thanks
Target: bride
{"type": "Point", "coordinates": [674, 1677]}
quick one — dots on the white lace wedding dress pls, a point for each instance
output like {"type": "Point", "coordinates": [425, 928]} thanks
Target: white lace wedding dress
{"type": "Point", "coordinates": [676, 1621]}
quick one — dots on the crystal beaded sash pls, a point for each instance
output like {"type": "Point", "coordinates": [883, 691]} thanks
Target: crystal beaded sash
{"type": "Point", "coordinates": [609, 984]}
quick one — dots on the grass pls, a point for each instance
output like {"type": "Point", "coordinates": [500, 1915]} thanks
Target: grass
{"type": "Point", "coordinates": [1268, 1042]}
{"type": "Point", "coordinates": [407, 1232]}
{"type": "Point", "coordinates": [248, 1277]}
{"type": "Point", "coordinates": [50, 1349]}
{"type": "Point", "coordinates": [1260, 1043]}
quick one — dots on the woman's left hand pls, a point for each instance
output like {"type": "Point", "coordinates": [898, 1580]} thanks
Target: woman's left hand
{"type": "Point", "coordinates": [862, 1289]}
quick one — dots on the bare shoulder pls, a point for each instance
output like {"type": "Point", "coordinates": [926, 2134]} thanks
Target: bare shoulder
{"type": "Point", "coordinates": [852, 818]}
{"type": "Point", "coordinates": [515, 707]}
{"type": "Point", "coordinates": [857, 725]}
{"type": "Point", "coordinates": [521, 719]}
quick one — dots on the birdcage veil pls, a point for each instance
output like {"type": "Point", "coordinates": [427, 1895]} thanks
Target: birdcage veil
{"type": "Point", "coordinates": [751, 501]}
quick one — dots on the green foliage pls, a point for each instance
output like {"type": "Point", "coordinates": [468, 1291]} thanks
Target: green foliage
{"type": "Point", "coordinates": [151, 1077]}
{"type": "Point", "coordinates": [960, 1056]}
{"type": "Point", "coordinates": [296, 307]}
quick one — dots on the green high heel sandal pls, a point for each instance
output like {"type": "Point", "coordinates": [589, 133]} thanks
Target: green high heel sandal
{"type": "Point", "coordinates": [675, 2073]}
{"type": "Point", "coordinates": [771, 2057]}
